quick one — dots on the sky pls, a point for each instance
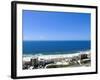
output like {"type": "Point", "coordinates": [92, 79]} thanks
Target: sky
{"type": "Point", "coordinates": [44, 25]}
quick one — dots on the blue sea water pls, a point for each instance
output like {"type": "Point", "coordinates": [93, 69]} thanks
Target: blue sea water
{"type": "Point", "coordinates": [54, 47]}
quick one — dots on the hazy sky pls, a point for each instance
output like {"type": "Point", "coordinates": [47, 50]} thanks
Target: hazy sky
{"type": "Point", "coordinates": [42, 25]}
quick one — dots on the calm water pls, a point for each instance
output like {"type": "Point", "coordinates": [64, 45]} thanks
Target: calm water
{"type": "Point", "coordinates": [54, 47]}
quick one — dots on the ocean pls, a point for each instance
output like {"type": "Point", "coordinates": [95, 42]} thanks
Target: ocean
{"type": "Point", "coordinates": [54, 47]}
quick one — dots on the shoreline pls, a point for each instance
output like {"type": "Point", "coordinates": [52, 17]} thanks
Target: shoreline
{"type": "Point", "coordinates": [51, 56]}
